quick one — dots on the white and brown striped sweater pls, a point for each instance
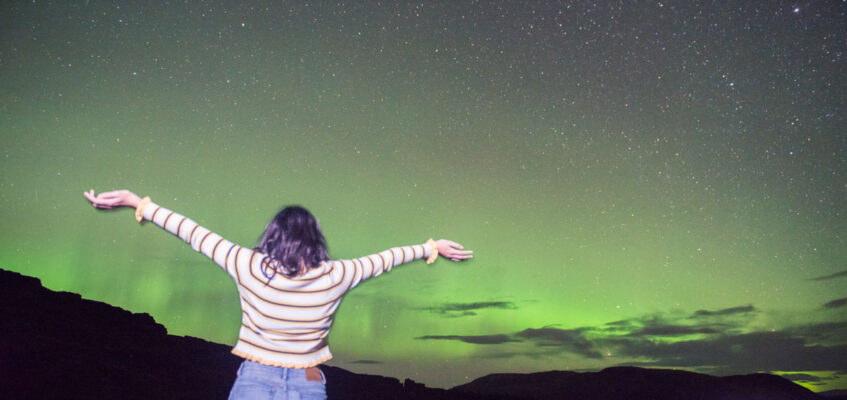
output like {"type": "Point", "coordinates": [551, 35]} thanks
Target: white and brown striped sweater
{"type": "Point", "coordinates": [285, 321]}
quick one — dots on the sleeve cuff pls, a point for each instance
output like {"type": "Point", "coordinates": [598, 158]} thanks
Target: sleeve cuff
{"type": "Point", "coordinates": [433, 251]}
{"type": "Point", "coordinates": [139, 210]}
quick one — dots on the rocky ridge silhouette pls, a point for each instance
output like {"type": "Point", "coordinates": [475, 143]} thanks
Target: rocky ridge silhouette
{"type": "Point", "coordinates": [56, 345]}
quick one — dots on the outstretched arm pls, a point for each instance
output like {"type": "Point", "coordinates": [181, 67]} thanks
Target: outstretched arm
{"type": "Point", "coordinates": [375, 264]}
{"type": "Point", "coordinates": [221, 251]}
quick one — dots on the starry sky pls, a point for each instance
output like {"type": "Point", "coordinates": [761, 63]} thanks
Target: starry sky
{"type": "Point", "coordinates": [655, 183]}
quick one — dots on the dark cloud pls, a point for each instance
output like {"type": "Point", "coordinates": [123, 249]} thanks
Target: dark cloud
{"type": "Point", "coordinates": [841, 274]}
{"type": "Point", "coordinates": [623, 326]}
{"type": "Point", "coordinates": [702, 322]}
{"type": "Point", "coordinates": [718, 342]}
{"type": "Point", "coordinates": [569, 340]}
{"type": "Point", "coordinates": [482, 339]}
{"type": "Point", "coordinates": [673, 330]}
{"type": "Point", "coordinates": [552, 339]}
{"type": "Point", "coordinates": [453, 310]}
{"type": "Point", "coordinates": [475, 306]}
{"type": "Point", "coordinates": [805, 378]}
{"type": "Point", "coordinates": [811, 347]}
{"type": "Point", "coordinates": [835, 303]}
{"type": "Point", "coordinates": [455, 314]}
{"type": "Point", "coordinates": [740, 353]}
{"type": "Point", "coordinates": [366, 362]}
{"type": "Point", "coordinates": [726, 311]}
{"type": "Point", "coordinates": [831, 333]}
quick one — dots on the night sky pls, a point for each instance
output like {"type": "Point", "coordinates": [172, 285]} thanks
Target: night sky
{"type": "Point", "coordinates": [655, 183]}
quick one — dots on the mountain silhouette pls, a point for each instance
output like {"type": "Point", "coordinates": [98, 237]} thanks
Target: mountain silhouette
{"type": "Point", "coordinates": [638, 383]}
{"type": "Point", "coordinates": [57, 345]}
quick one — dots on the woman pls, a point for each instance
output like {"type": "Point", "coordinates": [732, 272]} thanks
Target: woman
{"type": "Point", "coordinates": [289, 290]}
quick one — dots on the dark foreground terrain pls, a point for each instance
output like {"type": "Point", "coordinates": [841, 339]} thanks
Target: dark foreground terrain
{"type": "Point", "coordinates": [56, 345]}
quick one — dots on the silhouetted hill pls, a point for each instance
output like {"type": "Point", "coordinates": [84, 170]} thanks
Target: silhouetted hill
{"type": "Point", "coordinates": [638, 383]}
{"type": "Point", "coordinates": [56, 345]}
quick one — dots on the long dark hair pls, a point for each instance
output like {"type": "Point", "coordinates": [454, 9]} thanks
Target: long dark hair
{"type": "Point", "coordinates": [293, 241]}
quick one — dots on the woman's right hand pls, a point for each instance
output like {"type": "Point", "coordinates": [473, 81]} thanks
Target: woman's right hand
{"type": "Point", "coordinates": [115, 198]}
{"type": "Point", "coordinates": [452, 250]}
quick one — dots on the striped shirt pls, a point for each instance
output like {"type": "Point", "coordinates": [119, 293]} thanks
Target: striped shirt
{"type": "Point", "coordinates": [285, 321]}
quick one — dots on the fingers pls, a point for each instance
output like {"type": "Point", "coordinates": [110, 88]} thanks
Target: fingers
{"type": "Point", "coordinates": [453, 251]}
{"type": "Point", "coordinates": [459, 257]}
{"type": "Point", "coordinates": [106, 200]}
{"type": "Point", "coordinates": [454, 244]}
{"type": "Point", "coordinates": [92, 198]}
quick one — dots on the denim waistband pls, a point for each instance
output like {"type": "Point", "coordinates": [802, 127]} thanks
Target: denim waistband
{"type": "Point", "coordinates": [257, 381]}
{"type": "Point", "coordinates": [279, 374]}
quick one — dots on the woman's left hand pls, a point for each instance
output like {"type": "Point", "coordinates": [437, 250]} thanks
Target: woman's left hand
{"type": "Point", "coordinates": [115, 198]}
{"type": "Point", "coordinates": [452, 250]}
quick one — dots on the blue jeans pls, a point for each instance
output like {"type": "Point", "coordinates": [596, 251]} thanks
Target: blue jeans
{"type": "Point", "coordinates": [258, 381]}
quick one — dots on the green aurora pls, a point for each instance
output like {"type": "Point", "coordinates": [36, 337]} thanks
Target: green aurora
{"type": "Point", "coordinates": [642, 184]}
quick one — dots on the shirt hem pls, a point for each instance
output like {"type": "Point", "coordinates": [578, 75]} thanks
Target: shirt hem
{"type": "Point", "coordinates": [263, 361]}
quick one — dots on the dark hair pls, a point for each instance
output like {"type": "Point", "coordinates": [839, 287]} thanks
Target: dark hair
{"type": "Point", "coordinates": [293, 241]}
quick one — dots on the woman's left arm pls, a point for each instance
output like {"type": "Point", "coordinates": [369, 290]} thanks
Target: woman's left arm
{"type": "Point", "coordinates": [375, 264]}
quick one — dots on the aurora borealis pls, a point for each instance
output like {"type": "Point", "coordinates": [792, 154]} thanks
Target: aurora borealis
{"type": "Point", "coordinates": [642, 183]}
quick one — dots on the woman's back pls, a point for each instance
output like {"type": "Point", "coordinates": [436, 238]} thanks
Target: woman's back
{"type": "Point", "coordinates": [285, 319]}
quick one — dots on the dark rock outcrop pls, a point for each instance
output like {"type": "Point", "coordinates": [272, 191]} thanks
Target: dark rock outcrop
{"type": "Point", "coordinates": [56, 345]}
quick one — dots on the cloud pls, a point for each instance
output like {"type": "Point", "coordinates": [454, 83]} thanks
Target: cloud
{"type": "Point", "coordinates": [621, 323]}
{"type": "Point", "coordinates": [551, 339]}
{"type": "Point", "coordinates": [742, 353]}
{"type": "Point", "coordinates": [701, 322]}
{"type": "Point", "coordinates": [835, 303]}
{"type": "Point", "coordinates": [722, 348]}
{"type": "Point", "coordinates": [720, 342]}
{"type": "Point", "coordinates": [726, 311]}
{"type": "Point", "coordinates": [673, 330]}
{"type": "Point", "coordinates": [453, 310]}
{"type": "Point", "coordinates": [841, 274]}
{"type": "Point", "coordinates": [586, 341]}
{"type": "Point", "coordinates": [570, 340]}
{"type": "Point", "coordinates": [805, 378]}
{"type": "Point", "coordinates": [481, 339]}
{"type": "Point", "coordinates": [723, 342]}
{"type": "Point", "coordinates": [831, 333]}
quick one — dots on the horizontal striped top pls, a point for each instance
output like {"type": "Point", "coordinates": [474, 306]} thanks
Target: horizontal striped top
{"type": "Point", "coordinates": [285, 321]}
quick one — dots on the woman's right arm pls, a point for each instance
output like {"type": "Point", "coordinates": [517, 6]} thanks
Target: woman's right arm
{"type": "Point", "coordinates": [223, 252]}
